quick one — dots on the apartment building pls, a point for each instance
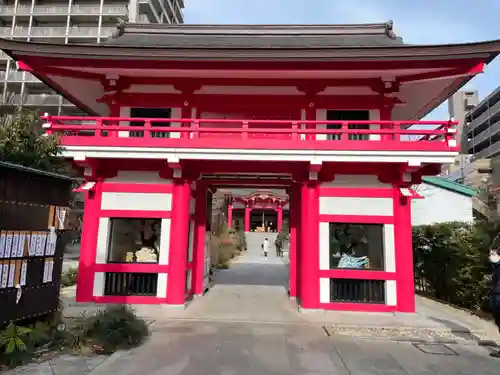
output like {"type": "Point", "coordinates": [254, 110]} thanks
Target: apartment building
{"type": "Point", "coordinates": [67, 21]}
{"type": "Point", "coordinates": [458, 107]}
{"type": "Point", "coordinates": [483, 127]}
{"type": "Point", "coordinates": [479, 164]}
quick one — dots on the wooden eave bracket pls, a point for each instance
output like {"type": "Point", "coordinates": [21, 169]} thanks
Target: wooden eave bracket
{"type": "Point", "coordinates": [409, 193]}
{"type": "Point", "coordinates": [86, 186]}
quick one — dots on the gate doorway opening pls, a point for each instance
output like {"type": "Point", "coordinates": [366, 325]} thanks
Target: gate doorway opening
{"type": "Point", "coordinates": [242, 220]}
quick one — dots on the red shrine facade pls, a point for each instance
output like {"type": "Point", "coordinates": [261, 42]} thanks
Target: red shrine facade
{"type": "Point", "coordinates": [264, 204]}
{"type": "Point", "coordinates": [330, 114]}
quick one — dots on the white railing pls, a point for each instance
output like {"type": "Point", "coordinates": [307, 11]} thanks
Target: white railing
{"type": "Point", "coordinates": [21, 76]}
{"type": "Point", "coordinates": [41, 100]}
{"type": "Point", "coordinates": [62, 10]}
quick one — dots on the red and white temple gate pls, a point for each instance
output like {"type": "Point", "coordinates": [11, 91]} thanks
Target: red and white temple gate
{"type": "Point", "coordinates": [326, 112]}
{"type": "Point", "coordinates": [261, 201]}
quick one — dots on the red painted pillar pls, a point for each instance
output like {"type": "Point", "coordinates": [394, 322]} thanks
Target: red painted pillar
{"type": "Point", "coordinates": [309, 298]}
{"type": "Point", "coordinates": [280, 218]}
{"type": "Point", "coordinates": [294, 220]}
{"type": "Point", "coordinates": [247, 218]}
{"type": "Point", "coordinates": [230, 215]}
{"type": "Point", "coordinates": [177, 260]}
{"type": "Point", "coordinates": [405, 282]}
{"type": "Point", "coordinates": [88, 246]}
{"type": "Point", "coordinates": [200, 220]}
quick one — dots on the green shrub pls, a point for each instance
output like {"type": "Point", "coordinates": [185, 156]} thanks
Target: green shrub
{"type": "Point", "coordinates": [113, 329]}
{"type": "Point", "coordinates": [240, 240]}
{"type": "Point", "coordinates": [283, 236]}
{"type": "Point", "coordinates": [451, 262]}
{"type": "Point", "coordinates": [15, 345]}
{"type": "Point", "coordinates": [69, 278]}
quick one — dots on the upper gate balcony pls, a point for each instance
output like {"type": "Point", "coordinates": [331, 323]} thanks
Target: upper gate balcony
{"type": "Point", "coordinates": [242, 134]}
{"type": "Point", "coordinates": [317, 93]}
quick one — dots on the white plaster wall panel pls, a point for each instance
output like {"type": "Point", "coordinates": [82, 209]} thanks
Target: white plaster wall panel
{"type": "Point", "coordinates": [175, 113]}
{"type": "Point", "coordinates": [103, 237]}
{"type": "Point", "coordinates": [136, 201]}
{"type": "Point", "coordinates": [356, 206]}
{"type": "Point", "coordinates": [324, 246]}
{"type": "Point", "coordinates": [192, 205]}
{"type": "Point", "coordinates": [303, 126]}
{"type": "Point", "coordinates": [163, 153]}
{"type": "Point", "coordinates": [440, 206]}
{"type": "Point", "coordinates": [389, 248]}
{"type": "Point", "coordinates": [189, 279]}
{"type": "Point", "coordinates": [141, 177]}
{"type": "Point", "coordinates": [191, 240]}
{"type": "Point", "coordinates": [356, 181]}
{"type": "Point", "coordinates": [207, 264]}
{"type": "Point", "coordinates": [321, 116]}
{"type": "Point", "coordinates": [99, 280]}
{"type": "Point", "coordinates": [324, 290]}
{"type": "Point", "coordinates": [375, 116]}
{"type": "Point", "coordinates": [164, 241]}
{"type": "Point", "coordinates": [161, 286]}
{"type": "Point", "coordinates": [391, 296]}
{"type": "Point", "coordinates": [124, 112]}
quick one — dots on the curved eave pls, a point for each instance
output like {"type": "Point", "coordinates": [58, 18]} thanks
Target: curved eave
{"type": "Point", "coordinates": [453, 88]}
{"type": "Point", "coordinates": [487, 50]}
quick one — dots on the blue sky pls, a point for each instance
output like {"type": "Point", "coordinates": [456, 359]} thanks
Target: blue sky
{"type": "Point", "coordinates": [418, 22]}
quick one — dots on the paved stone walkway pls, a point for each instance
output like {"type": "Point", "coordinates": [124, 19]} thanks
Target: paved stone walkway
{"type": "Point", "coordinates": [214, 348]}
{"type": "Point", "coordinates": [247, 325]}
{"type": "Point", "coordinates": [63, 365]}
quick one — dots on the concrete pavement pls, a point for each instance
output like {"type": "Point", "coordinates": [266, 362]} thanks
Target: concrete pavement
{"type": "Point", "coordinates": [247, 325]}
{"type": "Point", "coordinates": [214, 348]}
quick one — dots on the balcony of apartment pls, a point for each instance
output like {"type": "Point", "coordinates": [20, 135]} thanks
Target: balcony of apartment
{"type": "Point", "coordinates": [56, 32]}
{"type": "Point", "coordinates": [482, 120]}
{"type": "Point", "coordinates": [20, 77]}
{"type": "Point", "coordinates": [40, 100]}
{"type": "Point", "coordinates": [178, 11]}
{"type": "Point", "coordinates": [52, 11]}
{"type": "Point", "coordinates": [146, 8]}
{"type": "Point", "coordinates": [492, 131]}
{"type": "Point", "coordinates": [265, 135]}
{"type": "Point", "coordinates": [488, 152]}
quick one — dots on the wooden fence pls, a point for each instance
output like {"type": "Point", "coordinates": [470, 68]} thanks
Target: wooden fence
{"type": "Point", "coordinates": [33, 214]}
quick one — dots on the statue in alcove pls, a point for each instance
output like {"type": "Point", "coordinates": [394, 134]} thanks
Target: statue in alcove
{"type": "Point", "coordinates": [149, 241]}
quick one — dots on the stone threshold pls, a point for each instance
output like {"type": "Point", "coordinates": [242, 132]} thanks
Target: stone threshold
{"type": "Point", "coordinates": [409, 334]}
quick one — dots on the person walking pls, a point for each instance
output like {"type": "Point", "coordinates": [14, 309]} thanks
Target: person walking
{"type": "Point", "coordinates": [265, 247]}
{"type": "Point", "coordinates": [279, 251]}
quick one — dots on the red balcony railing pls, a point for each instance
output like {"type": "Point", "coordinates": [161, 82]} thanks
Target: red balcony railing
{"type": "Point", "coordinates": [253, 134]}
